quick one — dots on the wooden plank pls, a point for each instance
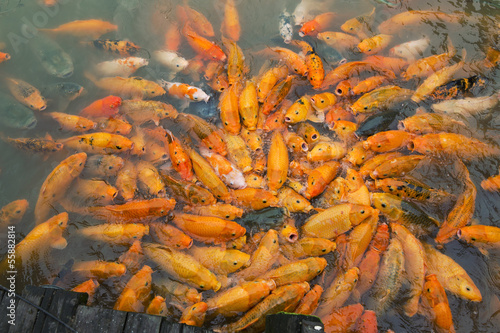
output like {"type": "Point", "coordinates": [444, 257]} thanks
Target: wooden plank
{"type": "Point", "coordinates": [170, 327]}
{"type": "Point", "coordinates": [98, 320]}
{"type": "Point", "coordinates": [40, 318]}
{"type": "Point", "coordinates": [4, 319]}
{"type": "Point", "coordinates": [63, 306]}
{"type": "Point", "coordinates": [26, 313]}
{"type": "Point", "coordinates": [293, 323]}
{"type": "Point", "coordinates": [140, 322]}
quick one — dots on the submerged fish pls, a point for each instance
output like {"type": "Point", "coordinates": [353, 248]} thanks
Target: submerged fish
{"type": "Point", "coordinates": [15, 115]}
{"type": "Point", "coordinates": [52, 57]}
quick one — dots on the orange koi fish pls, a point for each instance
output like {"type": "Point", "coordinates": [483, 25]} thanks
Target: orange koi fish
{"type": "Point", "coordinates": [89, 287]}
{"type": "Point", "coordinates": [277, 163]}
{"type": "Point", "coordinates": [115, 233]}
{"type": "Point", "coordinates": [40, 239]}
{"type": "Point", "coordinates": [126, 181]}
{"type": "Point", "coordinates": [383, 142]}
{"type": "Point", "coordinates": [374, 44]}
{"type": "Point", "coordinates": [140, 111]}
{"type": "Point", "coordinates": [283, 298]}
{"type": "Point", "coordinates": [136, 291]}
{"type": "Point", "coordinates": [241, 298]}
{"type": "Point", "coordinates": [12, 213]}
{"type": "Point", "coordinates": [73, 123]}
{"type": "Point", "coordinates": [254, 198]}
{"type": "Point", "coordinates": [113, 125]}
{"type": "Point", "coordinates": [196, 20]}
{"type": "Point", "coordinates": [220, 261]}
{"type": "Point", "coordinates": [37, 145]}
{"type": "Point", "coordinates": [99, 143]}
{"type": "Point", "coordinates": [319, 24]}
{"type": "Point", "coordinates": [4, 57]}
{"type": "Point", "coordinates": [206, 49]}
{"type": "Point", "coordinates": [208, 229]}
{"type": "Point", "coordinates": [170, 236]}
{"type": "Point", "coordinates": [180, 159]}
{"type": "Point", "coordinates": [228, 108]}
{"type": "Point", "coordinates": [413, 17]}
{"type": "Point", "coordinates": [57, 183]}
{"type": "Point", "coordinates": [97, 269]}
{"type": "Point", "coordinates": [133, 211]}
{"type": "Point", "coordinates": [194, 315]}
{"type": "Point", "coordinates": [231, 22]}
{"type": "Point", "coordinates": [182, 267]}
{"type": "Point", "coordinates": [26, 94]}
{"type": "Point", "coordinates": [103, 165]}
{"type": "Point", "coordinates": [83, 28]}
{"type": "Point", "coordinates": [436, 299]}
{"type": "Point", "coordinates": [104, 107]}
{"type": "Point", "coordinates": [309, 303]}
{"type": "Point", "coordinates": [339, 41]}
{"type": "Point", "coordinates": [135, 86]}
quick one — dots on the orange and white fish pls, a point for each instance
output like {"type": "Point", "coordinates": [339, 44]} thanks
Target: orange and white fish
{"type": "Point", "coordinates": [184, 91]}
{"type": "Point", "coordinates": [120, 67]}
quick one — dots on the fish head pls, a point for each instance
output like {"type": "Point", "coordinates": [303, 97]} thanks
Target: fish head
{"type": "Point", "coordinates": [234, 260]}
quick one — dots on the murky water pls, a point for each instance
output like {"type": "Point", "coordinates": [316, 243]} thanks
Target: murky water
{"type": "Point", "coordinates": [144, 22]}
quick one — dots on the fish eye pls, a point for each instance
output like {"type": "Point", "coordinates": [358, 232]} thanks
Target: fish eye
{"type": "Point", "coordinates": [264, 201]}
{"type": "Point", "coordinates": [379, 145]}
{"type": "Point", "coordinates": [428, 290]}
{"type": "Point", "coordinates": [152, 91]}
{"type": "Point", "coordinates": [327, 37]}
{"type": "Point", "coordinates": [228, 216]}
{"type": "Point", "coordinates": [110, 167]}
{"type": "Point", "coordinates": [18, 211]}
{"type": "Point", "coordinates": [118, 147]}
{"type": "Point", "coordinates": [366, 108]}
{"type": "Point", "coordinates": [233, 234]}
{"type": "Point", "coordinates": [323, 250]}
{"type": "Point", "coordinates": [296, 112]}
{"type": "Point", "coordinates": [362, 212]}
{"type": "Point", "coordinates": [467, 288]}
{"type": "Point", "coordinates": [202, 286]}
{"type": "Point", "coordinates": [226, 123]}
{"type": "Point", "coordinates": [298, 201]}
{"type": "Point", "coordinates": [351, 28]}
{"type": "Point", "coordinates": [31, 105]}
{"type": "Point", "coordinates": [383, 205]}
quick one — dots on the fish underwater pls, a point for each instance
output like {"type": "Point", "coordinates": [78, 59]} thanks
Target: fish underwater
{"type": "Point", "coordinates": [181, 159]}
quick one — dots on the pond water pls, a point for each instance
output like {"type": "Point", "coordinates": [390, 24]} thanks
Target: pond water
{"type": "Point", "coordinates": [144, 23]}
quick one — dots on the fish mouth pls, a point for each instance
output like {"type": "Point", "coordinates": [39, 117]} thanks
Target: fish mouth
{"type": "Point", "coordinates": [293, 237]}
{"type": "Point", "coordinates": [32, 124]}
{"type": "Point", "coordinates": [43, 107]}
{"type": "Point", "coordinates": [67, 75]}
{"type": "Point", "coordinates": [304, 147]}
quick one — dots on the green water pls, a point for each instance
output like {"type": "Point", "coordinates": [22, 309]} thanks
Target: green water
{"type": "Point", "coordinates": [143, 22]}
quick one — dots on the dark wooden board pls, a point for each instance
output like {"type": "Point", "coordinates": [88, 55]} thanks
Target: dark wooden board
{"type": "Point", "coordinates": [26, 313]}
{"type": "Point", "coordinates": [98, 320]}
{"type": "Point", "coordinates": [40, 318]}
{"type": "Point", "coordinates": [63, 306]}
{"type": "Point", "coordinates": [293, 323]}
{"type": "Point", "coordinates": [4, 320]}
{"type": "Point", "coordinates": [170, 327]}
{"type": "Point", "coordinates": [140, 322]}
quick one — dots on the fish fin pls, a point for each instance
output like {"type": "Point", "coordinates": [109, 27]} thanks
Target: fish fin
{"type": "Point", "coordinates": [319, 210]}
{"type": "Point", "coordinates": [59, 244]}
{"type": "Point", "coordinates": [90, 77]}
{"type": "Point", "coordinates": [451, 49]}
{"type": "Point", "coordinates": [48, 136]}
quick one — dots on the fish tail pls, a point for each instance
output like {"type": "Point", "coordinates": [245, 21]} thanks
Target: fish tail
{"type": "Point", "coordinates": [451, 49]}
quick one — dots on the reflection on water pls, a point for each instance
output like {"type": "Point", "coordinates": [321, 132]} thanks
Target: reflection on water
{"type": "Point", "coordinates": [145, 22]}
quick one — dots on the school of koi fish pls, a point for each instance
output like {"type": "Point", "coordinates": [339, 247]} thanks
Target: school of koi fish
{"type": "Point", "coordinates": [305, 193]}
